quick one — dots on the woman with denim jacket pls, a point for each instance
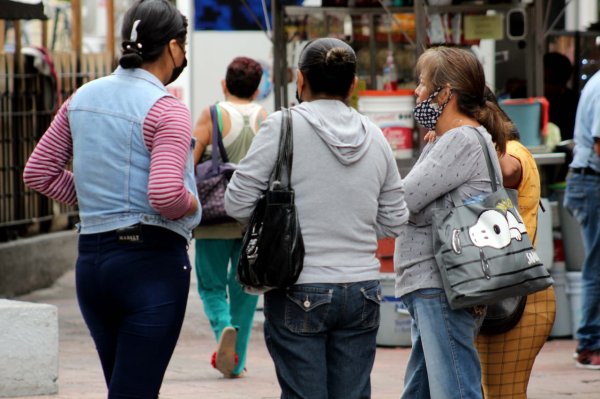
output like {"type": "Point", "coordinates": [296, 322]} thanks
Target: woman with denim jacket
{"type": "Point", "coordinates": [321, 331]}
{"type": "Point", "coordinates": [131, 147]}
{"type": "Point", "coordinates": [450, 101]}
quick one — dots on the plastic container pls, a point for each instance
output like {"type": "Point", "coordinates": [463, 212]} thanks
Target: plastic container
{"type": "Point", "coordinates": [394, 327]}
{"type": "Point", "coordinates": [572, 238]}
{"type": "Point", "coordinates": [545, 238]}
{"type": "Point", "coordinates": [390, 78]}
{"type": "Point", "coordinates": [392, 111]}
{"type": "Point", "coordinates": [574, 295]}
{"type": "Point", "coordinates": [385, 254]}
{"type": "Point", "coordinates": [530, 115]}
{"type": "Point", "coordinates": [562, 322]}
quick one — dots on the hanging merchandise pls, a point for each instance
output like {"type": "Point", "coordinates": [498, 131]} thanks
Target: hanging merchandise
{"type": "Point", "coordinates": [390, 78]}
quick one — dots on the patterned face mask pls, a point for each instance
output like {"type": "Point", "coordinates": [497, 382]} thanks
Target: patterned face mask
{"type": "Point", "coordinates": [426, 112]}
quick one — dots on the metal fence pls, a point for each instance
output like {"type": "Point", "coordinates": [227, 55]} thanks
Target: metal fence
{"type": "Point", "coordinates": [32, 87]}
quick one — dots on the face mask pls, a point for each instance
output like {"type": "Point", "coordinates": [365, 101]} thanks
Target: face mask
{"type": "Point", "coordinates": [298, 97]}
{"type": "Point", "coordinates": [427, 113]}
{"type": "Point", "coordinates": [177, 70]}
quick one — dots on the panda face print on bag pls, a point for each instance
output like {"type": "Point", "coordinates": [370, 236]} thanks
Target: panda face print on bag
{"type": "Point", "coordinates": [427, 112]}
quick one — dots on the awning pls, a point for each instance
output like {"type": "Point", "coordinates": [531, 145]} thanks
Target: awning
{"type": "Point", "coordinates": [22, 9]}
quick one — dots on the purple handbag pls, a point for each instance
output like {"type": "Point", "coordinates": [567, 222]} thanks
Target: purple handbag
{"type": "Point", "coordinates": [212, 177]}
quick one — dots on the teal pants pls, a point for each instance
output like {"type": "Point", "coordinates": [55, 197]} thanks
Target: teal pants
{"type": "Point", "coordinates": [225, 302]}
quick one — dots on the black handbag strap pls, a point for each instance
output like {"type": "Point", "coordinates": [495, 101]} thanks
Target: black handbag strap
{"type": "Point", "coordinates": [218, 148]}
{"type": "Point", "coordinates": [490, 167]}
{"type": "Point", "coordinates": [286, 150]}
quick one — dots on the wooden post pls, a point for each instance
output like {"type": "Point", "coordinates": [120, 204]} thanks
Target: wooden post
{"type": "Point", "coordinates": [110, 28]}
{"type": "Point", "coordinates": [2, 36]}
{"type": "Point", "coordinates": [45, 33]}
{"type": "Point", "coordinates": [76, 27]}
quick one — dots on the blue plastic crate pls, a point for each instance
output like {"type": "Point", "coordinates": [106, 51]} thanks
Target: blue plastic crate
{"type": "Point", "coordinates": [526, 116]}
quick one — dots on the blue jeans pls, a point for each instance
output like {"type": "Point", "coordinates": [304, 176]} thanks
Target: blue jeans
{"type": "Point", "coordinates": [582, 199]}
{"type": "Point", "coordinates": [443, 363]}
{"type": "Point", "coordinates": [133, 297]}
{"type": "Point", "coordinates": [322, 338]}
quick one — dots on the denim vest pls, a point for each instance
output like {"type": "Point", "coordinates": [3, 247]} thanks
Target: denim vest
{"type": "Point", "coordinates": [111, 164]}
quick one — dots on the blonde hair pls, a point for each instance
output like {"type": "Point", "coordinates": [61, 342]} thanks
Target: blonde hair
{"type": "Point", "coordinates": [462, 71]}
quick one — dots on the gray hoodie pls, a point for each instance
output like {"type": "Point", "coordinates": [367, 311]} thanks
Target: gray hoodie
{"type": "Point", "coordinates": [348, 189]}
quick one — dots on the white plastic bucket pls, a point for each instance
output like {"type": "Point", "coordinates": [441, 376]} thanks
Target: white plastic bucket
{"type": "Point", "coordinates": [394, 327]}
{"type": "Point", "coordinates": [574, 294]}
{"type": "Point", "coordinates": [562, 322]}
{"type": "Point", "coordinates": [392, 111]}
{"type": "Point", "coordinates": [545, 238]}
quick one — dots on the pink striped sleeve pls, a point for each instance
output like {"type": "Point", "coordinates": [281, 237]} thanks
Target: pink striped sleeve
{"type": "Point", "coordinates": [168, 135]}
{"type": "Point", "coordinates": [45, 169]}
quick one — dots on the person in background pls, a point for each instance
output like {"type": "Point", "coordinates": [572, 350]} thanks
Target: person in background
{"type": "Point", "coordinates": [228, 308]}
{"type": "Point", "coordinates": [507, 358]}
{"type": "Point", "coordinates": [450, 101]}
{"type": "Point", "coordinates": [321, 331]}
{"type": "Point", "coordinates": [582, 199]}
{"type": "Point", "coordinates": [133, 180]}
{"type": "Point", "coordinates": [562, 99]}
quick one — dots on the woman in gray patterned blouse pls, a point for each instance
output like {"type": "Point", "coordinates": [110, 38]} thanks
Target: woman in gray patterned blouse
{"type": "Point", "coordinates": [450, 101]}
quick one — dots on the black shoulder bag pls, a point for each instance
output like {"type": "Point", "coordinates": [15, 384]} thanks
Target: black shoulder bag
{"type": "Point", "coordinates": [272, 252]}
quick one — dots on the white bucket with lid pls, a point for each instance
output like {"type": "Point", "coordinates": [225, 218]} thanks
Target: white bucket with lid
{"type": "Point", "coordinates": [395, 322]}
{"type": "Point", "coordinates": [573, 289]}
{"type": "Point", "coordinates": [563, 325]}
{"type": "Point", "coordinates": [392, 111]}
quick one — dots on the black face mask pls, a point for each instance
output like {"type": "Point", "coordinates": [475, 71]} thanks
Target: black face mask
{"type": "Point", "coordinates": [298, 97]}
{"type": "Point", "coordinates": [177, 71]}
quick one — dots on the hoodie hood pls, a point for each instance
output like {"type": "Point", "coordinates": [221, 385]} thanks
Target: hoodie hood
{"type": "Point", "coordinates": [341, 127]}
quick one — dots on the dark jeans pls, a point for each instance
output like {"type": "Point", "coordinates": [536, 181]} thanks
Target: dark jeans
{"type": "Point", "coordinates": [133, 298]}
{"type": "Point", "coordinates": [322, 338]}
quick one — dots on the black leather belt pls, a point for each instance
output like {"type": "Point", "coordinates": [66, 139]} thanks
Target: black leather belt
{"type": "Point", "coordinates": [585, 171]}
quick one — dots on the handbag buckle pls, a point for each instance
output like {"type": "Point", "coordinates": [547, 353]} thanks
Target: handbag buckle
{"type": "Point", "coordinates": [275, 185]}
{"type": "Point", "coordinates": [485, 266]}
{"type": "Point", "coordinates": [456, 247]}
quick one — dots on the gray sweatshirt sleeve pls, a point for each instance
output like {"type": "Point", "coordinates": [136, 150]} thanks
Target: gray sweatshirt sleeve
{"type": "Point", "coordinates": [447, 165]}
{"type": "Point", "coordinates": [392, 212]}
{"type": "Point", "coordinates": [252, 175]}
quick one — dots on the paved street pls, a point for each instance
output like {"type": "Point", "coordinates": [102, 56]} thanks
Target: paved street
{"type": "Point", "coordinates": [191, 376]}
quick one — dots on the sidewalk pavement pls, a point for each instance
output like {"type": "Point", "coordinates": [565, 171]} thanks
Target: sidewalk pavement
{"type": "Point", "coordinates": [190, 375]}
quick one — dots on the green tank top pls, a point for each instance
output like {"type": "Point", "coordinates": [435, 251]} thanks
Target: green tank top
{"type": "Point", "coordinates": [237, 145]}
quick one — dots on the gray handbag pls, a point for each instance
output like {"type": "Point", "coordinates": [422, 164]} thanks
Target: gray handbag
{"type": "Point", "coordinates": [482, 248]}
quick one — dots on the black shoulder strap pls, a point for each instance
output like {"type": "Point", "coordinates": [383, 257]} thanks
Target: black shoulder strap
{"type": "Point", "coordinates": [217, 140]}
{"type": "Point", "coordinates": [286, 144]}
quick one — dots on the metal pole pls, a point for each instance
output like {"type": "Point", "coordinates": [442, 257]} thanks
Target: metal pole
{"type": "Point", "coordinates": [278, 37]}
{"type": "Point", "coordinates": [280, 67]}
{"type": "Point", "coordinates": [421, 26]}
{"type": "Point", "coordinates": [536, 47]}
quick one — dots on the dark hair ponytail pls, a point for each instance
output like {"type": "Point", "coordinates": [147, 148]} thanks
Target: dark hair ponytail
{"type": "Point", "coordinates": [493, 118]}
{"type": "Point", "coordinates": [329, 66]}
{"type": "Point", "coordinates": [148, 25]}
